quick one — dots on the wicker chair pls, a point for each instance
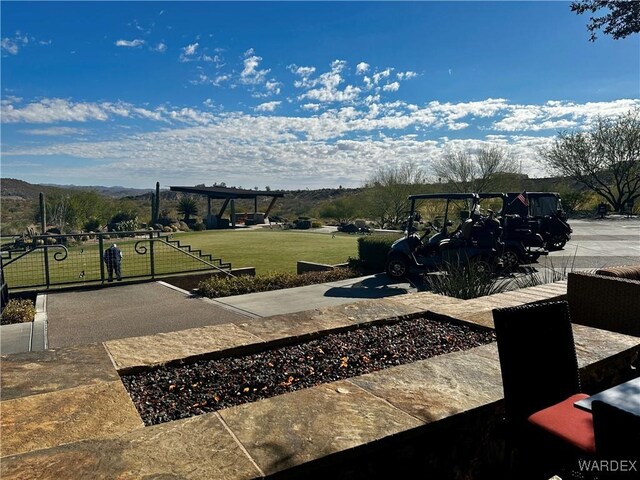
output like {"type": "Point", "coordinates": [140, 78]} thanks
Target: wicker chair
{"type": "Point", "coordinates": [540, 378]}
{"type": "Point", "coordinates": [606, 302]}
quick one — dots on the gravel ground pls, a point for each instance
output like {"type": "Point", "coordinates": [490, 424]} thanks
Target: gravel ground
{"type": "Point", "coordinates": [174, 392]}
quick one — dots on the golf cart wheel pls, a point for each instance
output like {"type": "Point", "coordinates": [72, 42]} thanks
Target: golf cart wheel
{"type": "Point", "coordinates": [397, 267]}
{"type": "Point", "coordinates": [483, 265]}
{"type": "Point", "coordinates": [510, 260]}
{"type": "Point", "coordinates": [556, 242]}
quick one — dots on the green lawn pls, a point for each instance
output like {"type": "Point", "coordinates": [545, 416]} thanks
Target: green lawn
{"type": "Point", "coordinates": [272, 250]}
{"type": "Point", "coordinates": [266, 250]}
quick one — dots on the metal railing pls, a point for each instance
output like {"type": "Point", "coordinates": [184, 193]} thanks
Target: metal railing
{"type": "Point", "coordinates": [77, 259]}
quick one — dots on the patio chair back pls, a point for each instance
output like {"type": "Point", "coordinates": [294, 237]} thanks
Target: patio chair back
{"type": "Point", "coordinates": [537, 357]}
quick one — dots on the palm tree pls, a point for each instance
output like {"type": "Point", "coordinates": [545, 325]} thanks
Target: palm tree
{"type": "Point", "coordinates": [187, 206]}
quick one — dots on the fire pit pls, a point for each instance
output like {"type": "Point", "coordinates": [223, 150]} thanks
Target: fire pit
{"type": "Point", "coordinates": [179, 391]}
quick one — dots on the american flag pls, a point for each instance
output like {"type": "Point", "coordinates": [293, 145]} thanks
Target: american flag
{"type": "Point", "coordinates": [523, 199]}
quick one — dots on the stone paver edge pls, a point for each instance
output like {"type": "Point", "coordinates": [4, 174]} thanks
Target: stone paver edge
{"type": "Point", "coordinates": [416, 304]}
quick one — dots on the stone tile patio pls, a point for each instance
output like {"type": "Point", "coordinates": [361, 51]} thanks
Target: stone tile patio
{"type": "Point", "coordinates": [65, 413]}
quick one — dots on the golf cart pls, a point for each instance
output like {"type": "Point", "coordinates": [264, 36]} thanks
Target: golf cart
{"type": "Point", "coordinates": [474, 240]}
{"type": "Point", "coordinates": [543, 211]}
{"type": "Point", "coordinates": [521, 244]}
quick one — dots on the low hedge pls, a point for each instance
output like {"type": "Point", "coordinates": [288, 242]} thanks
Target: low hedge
{"type": "Point", "coordinates": [373, 250]}
{"type": "Point", "coordinates": [216, 287]}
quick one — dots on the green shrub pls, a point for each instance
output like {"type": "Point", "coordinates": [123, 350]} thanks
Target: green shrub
{"type": "Point", "coordinates": [316, 224]}
{"type": "Point", "coordinates": [92, 225]}
{"type": "Point", "coordinates": [217, 286]}
{"type": "Point", "coordinates": [18, 310]}
{"type": "Point", "coordinates": [199, 227]}
{"type": "Point", "coordinates": [372, 251]}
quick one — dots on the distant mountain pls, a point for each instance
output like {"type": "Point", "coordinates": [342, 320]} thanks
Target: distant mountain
{"type": "Point", "coordinates": [115, 192]}
{"type": "Point", "coordinates": [19, 189]}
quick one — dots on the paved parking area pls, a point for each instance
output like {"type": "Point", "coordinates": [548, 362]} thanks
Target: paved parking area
{"type": "Point", "coordinates": [597, 243]}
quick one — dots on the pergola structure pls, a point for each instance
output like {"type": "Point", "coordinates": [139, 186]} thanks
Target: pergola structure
{"type": "Point", "coordinates": [229, 196]}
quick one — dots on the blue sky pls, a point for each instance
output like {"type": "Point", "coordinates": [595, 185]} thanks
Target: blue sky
{"type": "Point", "coordinates": [293, 94]}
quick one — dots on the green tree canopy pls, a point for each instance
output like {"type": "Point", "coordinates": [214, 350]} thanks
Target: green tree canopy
{"type": "Point", "coordinates": [605, 159]}
{"type": "Point", "coordinates": [621, 20]}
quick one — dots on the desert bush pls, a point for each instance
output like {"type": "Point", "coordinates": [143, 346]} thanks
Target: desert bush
{"type": "Point", "coordinates": [199, 227]}
{"type": "Point", "coordinates": [126, 225]}
{"type": "Point", "coordinates": [372, 251]}
{"type": "Point", "coordinates": [316, 224]}
{"type": "Point", "coordinates": [18, 310]}
{"type": "Point", "coordinates": [92, 225]}
{"type": "Point", "coordinates": [217, 286]}
{"type": "Point", "coordinates": [465, 280]}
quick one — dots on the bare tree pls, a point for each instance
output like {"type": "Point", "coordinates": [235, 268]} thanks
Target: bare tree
{"type": "Point", "coordinates": [474, 171]}
{"type": "Point", "coordinates": [605, 160]}
{"type": "Point", "coordinates": [387, 192]}
{"type": "Point", "coordinates": [622, 17]}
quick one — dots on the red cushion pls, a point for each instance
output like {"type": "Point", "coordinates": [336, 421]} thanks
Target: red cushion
{"type": "Point", "coordinates": [572, 424]}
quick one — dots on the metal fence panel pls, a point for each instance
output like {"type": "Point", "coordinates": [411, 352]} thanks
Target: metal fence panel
{"type": "Point", "coordinates": [56, 260]}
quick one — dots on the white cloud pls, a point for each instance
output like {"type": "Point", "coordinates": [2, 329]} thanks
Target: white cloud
{"type": "Point", "coordinates": [406, 75]}
{"type": "Point", "coordinates": [362, 68]}
{"type": "Point", "coordinates": [313, 107]}
{"type": "Point", "coordinates": [381, 75]}
{"type": "Point", "coordinates": [391, 87]}
{"type": "Point", "coordinates": [12, 45]}
{"type": "Point", "coordinates": [190, 50]}
{"type": "Point", "coordinates": [10, 99]}
{"type": "Point", "coordinates": [327, 90]}
{"type": "Point", "coordinates": [9, 46]}
{"type": "Point", "coordinates": [272, 87]}
{"type": "Point", "coordinates": [53, 110]}
{"type": "Point", "coordinates": [130, 43]}
{"type": "Point", "coordinates": [160, 47]}
{"type": "Point", "coordinates": [55, 131]}
{"type": "Point", "coordinates": [60, 110]}
{"type": "Point", "coordinates": [302, 71]}
{"type": "Point", "coordinates": [557, 115]}
{"type": "Point", "coordinates": [267, 106]}
{"type": "Point", "coordinates": [188, 53]}
{"type": "Point", "coordinates": [331, 145]}
{"type": "Point", "coordinates": [250, 74]}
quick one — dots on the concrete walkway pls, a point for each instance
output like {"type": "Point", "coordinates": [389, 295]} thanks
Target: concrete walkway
{"type": "Point", "coordinates": [81, 317]}
{"type": "Point", "coordinates": [293, 300]}
{"type": "Point", "coordinates": [123, 311]}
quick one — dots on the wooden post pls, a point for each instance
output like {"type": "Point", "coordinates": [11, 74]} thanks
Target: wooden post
{"type": "Point", "coordinates": [273, 202]}
{"type": "Point", "coordinates": [224, 207]}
